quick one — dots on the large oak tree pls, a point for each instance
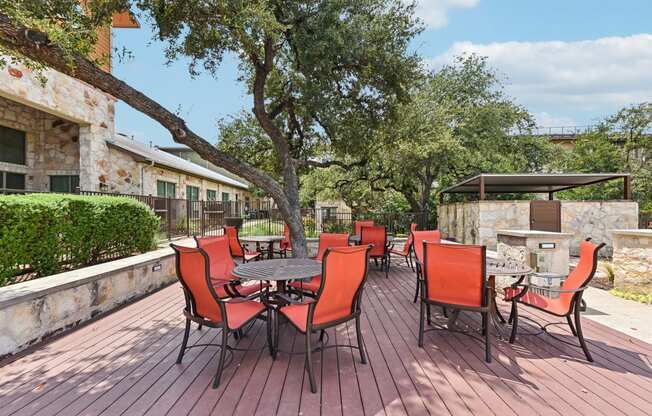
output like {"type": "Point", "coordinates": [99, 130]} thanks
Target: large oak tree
{"type": "Point", "coordinates": [322, 74]}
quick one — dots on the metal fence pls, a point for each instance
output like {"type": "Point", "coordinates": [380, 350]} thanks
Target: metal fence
{"type": "Point", "coordinates": [182, 217]}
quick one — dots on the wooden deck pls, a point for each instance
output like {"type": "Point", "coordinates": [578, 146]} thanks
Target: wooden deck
{"type": "Point", "coordinates": [124, 364]}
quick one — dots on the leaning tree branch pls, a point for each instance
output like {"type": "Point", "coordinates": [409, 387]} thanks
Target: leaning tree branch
{"type": "Point", "coordinates": [35, 45]}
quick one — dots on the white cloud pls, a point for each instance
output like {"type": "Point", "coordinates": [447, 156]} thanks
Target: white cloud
{"type": "Point", "coordinates": [543, 118]}
{"type": "Point", "coordinates": [595, 76]}
{"type": "Point", "coordinates": [434, 13]}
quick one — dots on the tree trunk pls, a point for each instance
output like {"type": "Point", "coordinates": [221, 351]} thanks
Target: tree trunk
{"type": "Point", "coordinates": [15, 37]}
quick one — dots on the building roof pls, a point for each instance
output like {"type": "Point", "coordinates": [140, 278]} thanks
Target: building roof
{"type": "Point", "coordinates": [529, 182]}
{"type": "Point", "coordinates": [179, 149]}
{"type": "Point", "coordinates": [145, 153]}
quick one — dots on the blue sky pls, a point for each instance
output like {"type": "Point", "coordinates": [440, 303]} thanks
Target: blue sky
{"type": "Point", "coordinates": [570, 62]}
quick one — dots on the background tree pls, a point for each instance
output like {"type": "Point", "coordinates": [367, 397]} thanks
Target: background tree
{"type": "Point", "coordinates": [458, 122]}
{"type": "Point", "coordinates": [319, 72]}
{"type": "Point", "coordinates": [621, 143]}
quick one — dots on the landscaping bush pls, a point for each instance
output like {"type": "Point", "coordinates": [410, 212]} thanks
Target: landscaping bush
{"type": "Point", "coordinates": [43, 233]}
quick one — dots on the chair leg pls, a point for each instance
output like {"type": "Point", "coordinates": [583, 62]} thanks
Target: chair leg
{"type": "Point", "coordinates": [388, 261]}
{"type": "Point", "coordinates": [580, 335]}
{"type": "Point", "coordinates": [513, 319]}
{"type": "Point", "coordinates": [199, 327]}
{"type": "Point", "coordinates": [358, 333]}
{"type": "Point", "coordinates": [487, 343]}
{"type": "Point", "coordinates": [270, 337]}
{"type": "Point", "coordinates": [322, 334]}
{"type": "Point", "coordinates": [220, 365]}
{"type": "Point", "coordinates": [311, 376]}
{"type": "Point", "coordinates": [416, 292]}
{"type": "Point", "coordinates": [570, 324]}
{"type": "Point", "coordinates": [422, 318]}
{"type": "Point", "coordinates": [184, 343]}
{"type": "Point", "coordinates": [428, 314]}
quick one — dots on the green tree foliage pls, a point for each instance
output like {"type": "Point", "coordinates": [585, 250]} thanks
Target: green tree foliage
{"type": "Point", "coordinates": [38, 231]}
{"type": "Point", "coordinates": [621, 143]}
{"type": "Point", "coordinates": [458, 122]}
{"type": "Point", "coordinates": [322, 74]}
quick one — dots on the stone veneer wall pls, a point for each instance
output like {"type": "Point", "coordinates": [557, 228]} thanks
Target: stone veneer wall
{"type": "Point", "coordinates": [476, 222]}
{"type": "Point", "coordinates": [33, 310]}
{"type": "Point", "coordinates": [632, 262]}
{"type": "Point", "coordinates": [52, 145]}
{"type": "Point", "coordinates": [72, 100]}
{"type": "Point", "coordinates": [595, 219]}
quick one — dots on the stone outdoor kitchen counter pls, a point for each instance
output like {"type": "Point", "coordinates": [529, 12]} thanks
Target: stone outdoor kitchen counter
{"type": "Point", "coordinates": [632, 260]}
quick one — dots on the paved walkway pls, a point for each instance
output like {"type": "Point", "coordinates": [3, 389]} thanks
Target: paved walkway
{"type": "Point", "coordinates": [627, 316]}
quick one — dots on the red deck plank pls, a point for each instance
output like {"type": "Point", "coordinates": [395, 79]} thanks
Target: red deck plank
{"type": "Point", "coordinates": [124, 363]}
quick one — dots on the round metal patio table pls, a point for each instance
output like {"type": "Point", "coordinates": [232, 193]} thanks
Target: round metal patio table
{"type": "Point", "coordinates": [265, 239]}
{"type": "Point", "coordinates": [278, 270]}
{"type": "Point", "coordinates": [355, 239]}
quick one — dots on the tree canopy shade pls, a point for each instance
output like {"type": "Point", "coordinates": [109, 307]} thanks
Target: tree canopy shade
{"type": "Point", "coordinates": [323, 74]}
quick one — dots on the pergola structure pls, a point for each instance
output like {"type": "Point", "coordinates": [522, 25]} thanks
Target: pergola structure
{"type": "Point", "coordinates": [549, 183]}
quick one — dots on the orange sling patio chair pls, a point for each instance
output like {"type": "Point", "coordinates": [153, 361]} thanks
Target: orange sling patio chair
{"type": "Point", "coordinates": [406, 252]}
{"type": "Point", "coordinates": [570, 293]}
{"type": "Point", "coordinates": [357, 225]}
{"type": "Point", "coordinates": [326, 241]}
{"type": "Point", "coordinates": [221, 265]}
{"type": "Point", "coordinates": [285, 244]}
{"type": "Point", "coordinates": [418, 237]}
{"type": "Point", "coordinates": [344, 272]}
{"type": "Point", "coordinates": [205, 307]}
{"type": "Point", "coordinates": [237, 250]}
{"type": "Point", "coordinates": [376, 236]}
{"type": "Point", "coordinates": [454, 277]}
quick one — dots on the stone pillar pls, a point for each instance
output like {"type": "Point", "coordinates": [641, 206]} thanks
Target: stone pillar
{"type": "Point", "coordinates": [632, 260]}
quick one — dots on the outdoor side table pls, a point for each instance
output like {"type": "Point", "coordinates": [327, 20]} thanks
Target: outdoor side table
{"type": "Point", "coordinates": [265, 239]}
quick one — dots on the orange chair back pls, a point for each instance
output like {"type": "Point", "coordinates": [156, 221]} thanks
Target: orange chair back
{"type": "Point", "coordinates": [374, 235]}
{"type": "Point", "coordinates": [193, 272]}
{"type": "Point", "coordinates": [286, 243]}
{"type": "Point", "coordinates": [344, 271]}
{"type": "Point", "coordinates": [234, 242]}
{"type": "Point", "coordinates": [331, 240]}
{"type": "Point", "coordinates": [418, 237]}
{"type": "Point", "coordinates": [454, 274]}
{"type": "Point", "coordinates": [363, 223]}
{"type": "Point", "coordinates": [219, 256]}
{"type": "Point", "coordinates": [584, 270]}
{"type": "Point", "coordinates": [410, 239]}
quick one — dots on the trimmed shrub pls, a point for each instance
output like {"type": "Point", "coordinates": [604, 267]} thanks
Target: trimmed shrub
{"type": "Point", "coordinates": [45, 233]}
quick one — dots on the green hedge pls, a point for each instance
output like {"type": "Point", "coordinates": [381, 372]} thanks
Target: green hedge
{"type": "Point", "coordinates": [38, 231]}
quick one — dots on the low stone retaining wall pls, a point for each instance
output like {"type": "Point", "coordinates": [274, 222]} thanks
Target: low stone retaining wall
{"type": "Point", "coordinates": [632, 261]}
{"type": "Point", "coordinates": [33, 310]}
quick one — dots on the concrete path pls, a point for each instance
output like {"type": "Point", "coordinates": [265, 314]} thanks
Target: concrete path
{"type": "Point", "coordinates": [627, 316]}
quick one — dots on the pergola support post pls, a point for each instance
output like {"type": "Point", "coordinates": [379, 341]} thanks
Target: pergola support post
{"type": "Point", "coordinates": [482, 193]}
{"type": "Point", "coordinates": [627, 187]}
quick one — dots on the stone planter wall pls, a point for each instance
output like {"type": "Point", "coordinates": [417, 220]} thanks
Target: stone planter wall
{"type": "Point", "coordinates": [33, 310]}
{"type": "Point", "coordinates": [632, 261]}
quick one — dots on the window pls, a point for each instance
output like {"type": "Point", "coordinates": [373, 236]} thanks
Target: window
{"type": "Point", "coordinates": [211, 195]}
{"type": "Point", "coordinates": [192, 193]}
{"type": "Point", "coordinates": [64, 183]}
{"type": "Point", "coordinates": [12, 146]}
{"type": "Point", "coordinates": [225, 197]}
{"type": "Point", "coordinates": [166, 189]}
{"type": "Point", "coordinates": [13, 181]}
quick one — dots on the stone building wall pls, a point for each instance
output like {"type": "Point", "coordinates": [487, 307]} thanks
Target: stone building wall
{"type": "Point", "coordinates": [632, 261]}
{"type": "Point", "coordinates": [460, 221]}
{"type": "Point", "coordinates": [73, 101]}
{"type": "Point", "coordinates": [51, 144]}
{"type": "Point", "coordinates": [595, 219]}
{"type": "Point", "coordinates": [499, 215]}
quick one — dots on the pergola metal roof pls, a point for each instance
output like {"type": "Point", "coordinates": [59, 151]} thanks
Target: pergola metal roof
{"type": "Point", "coordinates": [533, 183]}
